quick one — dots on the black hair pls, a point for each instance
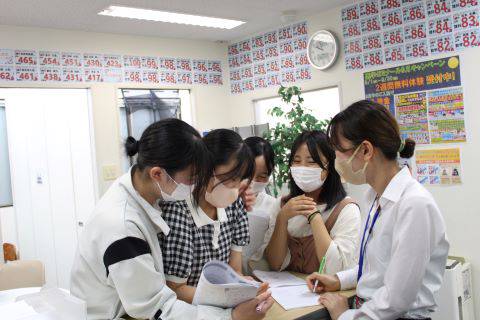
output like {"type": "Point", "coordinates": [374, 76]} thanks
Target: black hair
{"type": "Point", "coordinates": [317, 143]}
{"type": "Point", "coordinates": [261, 147]}
{"type": "Point", "coordinates": [368, 120]}
{"type": "Point", "coordinates": [225, 145]}
{"type": "Point", "coordinates": [172, 145]}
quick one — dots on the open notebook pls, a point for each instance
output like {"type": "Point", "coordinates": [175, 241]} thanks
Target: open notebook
{"type": "Point", "coordinates": [221, 286]}
{"type": "Point", "coordinates": [289, 291]}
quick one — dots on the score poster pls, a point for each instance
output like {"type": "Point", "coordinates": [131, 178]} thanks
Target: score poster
{"type": "Point", "coordinates": [438, 166]}
{"type": "Point", "coordinates": [70, 67]}
{"type": "Point", "coordinates": [426, 99]}
{"type": "Point", "coordinates": [379, 32]}
{"type": "Point", "coordinates": [269, 59]}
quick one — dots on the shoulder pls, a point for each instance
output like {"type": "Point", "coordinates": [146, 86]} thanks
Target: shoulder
{"type": "Point", "coordinates": [176, 214]}
{"type": "Point", "coordinates": [417, 201]}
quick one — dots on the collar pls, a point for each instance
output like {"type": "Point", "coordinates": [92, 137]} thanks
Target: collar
{"type": "Point", "coordinates": [394, 189]}
{"type": "Point", "coordinates": [153, 213]}
{"type": "Point", "coordinates": [202, 219]}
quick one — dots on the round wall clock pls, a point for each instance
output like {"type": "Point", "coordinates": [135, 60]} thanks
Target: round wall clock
{"type": "Point", "coordinates": [322, 49]}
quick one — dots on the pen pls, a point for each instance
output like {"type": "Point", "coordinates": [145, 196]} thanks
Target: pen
{"type": "Point", "coordinates": [260, 306]}
{"type": "Point", "coordinates": [320, 270]}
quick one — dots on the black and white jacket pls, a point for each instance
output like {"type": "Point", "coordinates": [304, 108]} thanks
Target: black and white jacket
{"type": "Point", "coordinates": [118, 267]}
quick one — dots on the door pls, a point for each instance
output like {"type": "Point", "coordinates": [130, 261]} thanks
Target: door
{"type": "Point", "coordinates": [52, 173]}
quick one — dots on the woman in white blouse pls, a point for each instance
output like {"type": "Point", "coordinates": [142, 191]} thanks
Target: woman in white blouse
{"type": "Point", "coordinates": [316, 219]}
{"type": "Point", "coordinates": [404, 247]}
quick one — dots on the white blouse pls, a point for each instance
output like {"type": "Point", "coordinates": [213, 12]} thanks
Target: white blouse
{"type": "Point", "coordinates": [343, 251]}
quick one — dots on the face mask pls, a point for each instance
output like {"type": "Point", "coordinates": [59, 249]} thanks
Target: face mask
{"type": "Point", "coordinates": [307, 179]}
{"type": "Point", "coordinates": [181, 192]}
{"type": "Point", "coordinates": [221, 196]}
{"type": "Point", "coordinates": [258, 187]}
{"type": "Point", "coordinates": [345, 170]}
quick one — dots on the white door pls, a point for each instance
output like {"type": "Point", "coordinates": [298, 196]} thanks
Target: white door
{"type": "Point", "coordinates": [52, 167]}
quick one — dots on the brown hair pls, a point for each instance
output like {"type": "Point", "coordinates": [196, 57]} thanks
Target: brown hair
{"type": "Point", "coordinates": [368, 120]}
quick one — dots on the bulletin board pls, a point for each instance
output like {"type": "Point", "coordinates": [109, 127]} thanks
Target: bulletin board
{"type": "Point", "coordinates": [72, 67]}
{"type": "Point", "coordinates": [269, 59]}
{"type": "Point", "coordinates": [426, 98]}
{"type": "Point", "coordinates": [381, 32]}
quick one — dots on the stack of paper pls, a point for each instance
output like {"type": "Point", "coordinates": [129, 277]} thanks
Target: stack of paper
{"type": "Point", "coordinates": [17, 311]}
{"type": "Point", "coordinates": [221, 286]}
{"type": "Point", "coordinates": [289, 291]}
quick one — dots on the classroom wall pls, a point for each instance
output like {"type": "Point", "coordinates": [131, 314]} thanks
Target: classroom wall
{"type": "Point", "coordinates": [459, 204]}
{"type": "Point", "coordinates": [209, 101]}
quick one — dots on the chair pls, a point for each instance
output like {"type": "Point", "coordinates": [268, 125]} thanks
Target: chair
{"type": "Point", "coordinates": [21, 274]}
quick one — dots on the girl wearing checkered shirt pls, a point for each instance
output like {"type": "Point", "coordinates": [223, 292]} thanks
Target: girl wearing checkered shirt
{"type": "Point", "coordinates": [215, 228]}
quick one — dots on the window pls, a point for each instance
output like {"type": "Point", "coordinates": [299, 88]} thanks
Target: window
{"type": "Point", "coordinates": [141, 107]}
{"type": "Point", "coordinates": [5, 184]}
{"type": "Point", "coordinates": [322, 103]}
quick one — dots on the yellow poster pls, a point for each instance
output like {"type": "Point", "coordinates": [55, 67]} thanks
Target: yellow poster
{"type": "Point", "coordinates": [438, 166]}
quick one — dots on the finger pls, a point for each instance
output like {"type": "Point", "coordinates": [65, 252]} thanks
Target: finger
{"type": "Point", "coordinates": [263, 287]}
{"type": "Point", "coordinates": [262, 297]}
{"type": "Point", "coordinates": [267, 305]}
{"type": "Point", "coordinates": [304, 197]}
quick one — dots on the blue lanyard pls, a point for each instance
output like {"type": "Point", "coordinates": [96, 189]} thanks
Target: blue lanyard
{"type": "Point", "coordinates": [363, 247]}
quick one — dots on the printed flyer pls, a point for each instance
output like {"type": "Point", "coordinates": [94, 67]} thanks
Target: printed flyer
{"type": "Point", "coordinates": [426, 99]}
{"type": "Point", "coordinates": [438, 166]}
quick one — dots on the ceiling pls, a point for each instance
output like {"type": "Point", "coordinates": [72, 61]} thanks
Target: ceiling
{"type": "Point", "coordinates": [260, 15]}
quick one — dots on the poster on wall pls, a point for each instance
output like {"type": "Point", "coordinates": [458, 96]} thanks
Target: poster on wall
{"type": "Point", "coordinates": [426, 99]}
{"type": "Point", "coordinates": [74, 67]}
{"type": "Point", "coordinates": [380, 32]}
{"type": "Point", "coordinates": [269, 59]}
{"type": "Point", "coordinates": [438, 166]}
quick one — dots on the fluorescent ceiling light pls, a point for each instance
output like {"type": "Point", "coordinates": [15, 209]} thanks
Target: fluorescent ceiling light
{"type": "Point", "coordinates": [170, 17]}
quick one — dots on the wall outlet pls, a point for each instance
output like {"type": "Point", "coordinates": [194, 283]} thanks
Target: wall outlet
{"type": "Point", "coordinates": [109, 172]}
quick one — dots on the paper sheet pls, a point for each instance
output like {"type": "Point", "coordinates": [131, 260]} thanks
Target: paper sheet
{"type": "Point", "coordinates": [278, 279]}
{"type": "Point", "coordinates": [221, 286]}
{"type": "Point", "coordinates": [292, 297]}
{"type": "Point", "coordinates": [17, 311]}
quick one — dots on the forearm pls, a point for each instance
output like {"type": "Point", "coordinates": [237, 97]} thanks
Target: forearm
{"type": "Point", "coordinates": [321, 236]}
{"type": "Point", "coordinates": [278, 245]}
{"type": "Point", "coordinates": [183, 291]}
{"type": "Point", "coordinates": [235, 261]}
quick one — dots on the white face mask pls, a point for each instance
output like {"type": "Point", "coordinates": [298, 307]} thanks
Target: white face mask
{"type": "Point", "coordinates": [306, 178]}
{"type": "Point", "coordinates": [181, 192]}
{"type": "Point", "coordinates": [221, 196]}
{"type": "Point", "coordinates": [258, 187]}
{"type": "Point", "coordinates": [345, 170]}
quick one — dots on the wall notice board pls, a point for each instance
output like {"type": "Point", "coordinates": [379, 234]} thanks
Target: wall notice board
{"type": "Point", "coordinates": [426, 99]}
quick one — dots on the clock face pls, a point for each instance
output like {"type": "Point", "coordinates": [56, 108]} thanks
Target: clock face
{"type": "Point", "coordinates": [322, 49]}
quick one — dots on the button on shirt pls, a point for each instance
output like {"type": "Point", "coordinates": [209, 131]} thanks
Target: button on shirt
{"type": "Point", "coordinates": [405, 256]}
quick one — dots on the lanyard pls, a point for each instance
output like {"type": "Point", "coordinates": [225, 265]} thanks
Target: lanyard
{"type": "Point", "coordinates": [363, 247]}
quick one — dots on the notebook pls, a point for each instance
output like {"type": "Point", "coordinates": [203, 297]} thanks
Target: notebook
{"type": "Point", "coordinates": [220, 286]}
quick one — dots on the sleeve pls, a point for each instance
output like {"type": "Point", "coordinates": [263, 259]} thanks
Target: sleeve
{"type": "Point", "coordinates": [342, 254]}
{"type": "Point", "coordinates": [273, 213]}
{"type": "Point", "coordinates": [141, 287]}
{"type": "Point", "coordinates": [177, 246]}
{"type": "Point", "coordinates": [241, 235]}
{"type": "Point", "coordinates": [348, 278]}
{"type": "Point", "coordinates": [412, 242]}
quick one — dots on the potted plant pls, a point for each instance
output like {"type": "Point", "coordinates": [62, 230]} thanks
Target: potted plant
{"type": "Point", "coordinates": [282, 136]}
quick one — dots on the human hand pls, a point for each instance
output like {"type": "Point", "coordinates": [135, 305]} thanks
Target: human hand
{"type": "Point", "coordinates": [325, 282]}
{"type": "Point", "coordinates": [335, 303]}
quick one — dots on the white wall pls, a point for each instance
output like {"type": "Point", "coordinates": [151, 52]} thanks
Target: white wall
{"type": "Point", "coordinates": [207, 100]}
{"type": "Point", "coordinates": [8, 229]}
{"type": "Point", "coordinates": [459, 204]}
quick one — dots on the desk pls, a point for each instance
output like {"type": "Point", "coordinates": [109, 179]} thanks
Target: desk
{"type": "Point", "coordinates": [278, 313]}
